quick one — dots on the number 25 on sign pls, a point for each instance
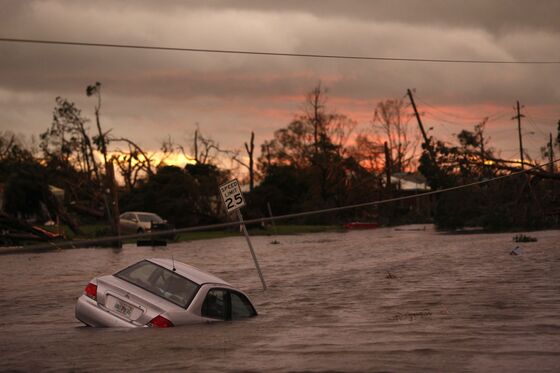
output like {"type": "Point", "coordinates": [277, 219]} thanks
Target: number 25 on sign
{"type": "Point", "coordinates": [232, 196]}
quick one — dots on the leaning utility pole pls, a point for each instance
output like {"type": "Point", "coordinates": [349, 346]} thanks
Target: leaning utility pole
{"type": "Point", "coordinates": [518, 117]}
{"type": "Point", "coordinates": [426, 140]}
{"type": "Point", "coordinates": [550, 154]}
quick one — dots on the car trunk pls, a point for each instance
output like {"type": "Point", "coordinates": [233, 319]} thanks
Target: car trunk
{"type": "Point", "coordinates": [130, 302]}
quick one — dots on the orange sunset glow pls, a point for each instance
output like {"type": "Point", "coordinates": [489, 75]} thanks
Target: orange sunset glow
{"type": "Point", "coordinates": [280, 186]}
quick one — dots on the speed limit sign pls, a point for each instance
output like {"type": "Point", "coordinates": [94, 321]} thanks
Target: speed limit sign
{"type": "Point", "coordinates": [232, 196]}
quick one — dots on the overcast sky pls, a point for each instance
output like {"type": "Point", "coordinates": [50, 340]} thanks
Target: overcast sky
{"type": "Point", "coordinates": [149, 95]}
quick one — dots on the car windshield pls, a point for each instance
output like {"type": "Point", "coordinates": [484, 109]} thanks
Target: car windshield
{"type": "Point", "coordinates": [146, 218]}
{"type": "Point", "coordinates": [160, 281]}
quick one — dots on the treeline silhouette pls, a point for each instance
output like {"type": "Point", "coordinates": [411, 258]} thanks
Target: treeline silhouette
{"type": "Point", "coordinates": [317, 161]}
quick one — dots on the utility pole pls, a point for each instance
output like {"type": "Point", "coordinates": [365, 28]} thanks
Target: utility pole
{"type": "Point", "coordinates": [387, 166]}
{"type": "Point", "coordinates": [550, 154]}
{"type": "Point", "coordinates": [426, 140]}
{"type": "Point", "coordinates": [518, 117]}
{"type": "Point", "coordinates": [196, 146]}
{"type": "Point", "coordinates": [250, 151]}
{"type": "Point", "coordinates": [482, 153]}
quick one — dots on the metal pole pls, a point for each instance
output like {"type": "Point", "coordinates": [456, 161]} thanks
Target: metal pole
{"type": "Point", "coordinates": [519, 116]}
{"type": "Point", "coordinates": [550, 154]}
{"type": "Point", "coordinates": [388, 166]}
{"type": "Point", "coordinates": [426, 139]}
{"type": "Point", "coordinates": [251, 247]}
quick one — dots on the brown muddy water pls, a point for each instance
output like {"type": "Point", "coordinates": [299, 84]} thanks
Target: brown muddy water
{"type": "Point", "coordinates": [451, 303]}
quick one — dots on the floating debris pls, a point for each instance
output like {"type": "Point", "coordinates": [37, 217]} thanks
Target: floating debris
{"type": "Point", "coordinates": [411, 316]}
{"type": "Point", "coordinates": [275, 242]}
{"type": "Point", "coordinates": [390, 275]}
{"type": "Point", "coordinates": [524, 238]}
{"type": "Point", "coordinates": [516, 251]}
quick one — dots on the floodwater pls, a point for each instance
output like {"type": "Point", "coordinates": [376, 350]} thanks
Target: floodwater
{"type": "Point", "coordinates": [375, 300]}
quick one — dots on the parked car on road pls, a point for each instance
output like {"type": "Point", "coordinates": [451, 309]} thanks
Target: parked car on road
{"type": "Point", "coordinates": [140, 222]}
{"type": "Point", "coordinates": [160, 293]}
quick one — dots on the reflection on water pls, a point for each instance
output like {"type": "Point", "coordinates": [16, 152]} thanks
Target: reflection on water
{"type": "Point", "coordinates": [452, 302]}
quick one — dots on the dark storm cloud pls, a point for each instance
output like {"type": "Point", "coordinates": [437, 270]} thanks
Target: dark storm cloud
{"type": "Point", "coordinates": [150, 89]}
{"type": "Point", "coordinates": [495, 16]}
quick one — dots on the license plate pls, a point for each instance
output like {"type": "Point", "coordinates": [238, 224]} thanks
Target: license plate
{"type": "Point", "coordinates": [123, 308]}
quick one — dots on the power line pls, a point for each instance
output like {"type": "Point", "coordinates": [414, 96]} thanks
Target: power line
{"type": "Point", "coordinates": [491, 117]}
{"type": "Point", "coordinates": [535, 126]}
{"type": "Point", "coordinates": [83, 243]}
{"type": "Point", "coordinates": [493, 131]}
{"type": "Point", "coordinates": [445, 120]}
{"type": "Point", "coordinates": [276, 54]}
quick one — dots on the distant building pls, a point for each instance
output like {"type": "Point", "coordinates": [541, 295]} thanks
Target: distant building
{"type": "Point", "coordinates": [409, 181]}
{"type": "Point", "coordinates": [408, 184]}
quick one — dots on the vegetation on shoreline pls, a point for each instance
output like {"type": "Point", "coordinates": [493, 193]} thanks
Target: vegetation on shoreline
{"type": "Point", "coordinates": [315, 162]}
{"type": "Point", "coordinates": [96, 230]}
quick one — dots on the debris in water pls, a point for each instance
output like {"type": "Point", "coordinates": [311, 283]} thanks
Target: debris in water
{"type": "Point", "coordinates": [524, 238]}
{"type": "Point", "coordinates": [390, 275]}
{"type": "Point", "coordinates": [411, 316]}
{"type": "Point", "coordinates": [516, 251]}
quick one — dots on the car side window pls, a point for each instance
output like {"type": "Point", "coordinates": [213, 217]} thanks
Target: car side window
{"type": "Point", "coordinates": [241, 307]}
{"type": "Point", "coordinates": [214, 305]}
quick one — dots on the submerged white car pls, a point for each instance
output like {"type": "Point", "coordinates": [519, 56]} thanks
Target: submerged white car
{"type": "Point", "coordinates": [160, 293]}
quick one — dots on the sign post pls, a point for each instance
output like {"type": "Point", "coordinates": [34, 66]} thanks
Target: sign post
{"type": "Point", "coordinates": [233, 200]}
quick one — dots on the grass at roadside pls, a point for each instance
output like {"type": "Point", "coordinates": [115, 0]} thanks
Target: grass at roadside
{"type": "Point", "coordinates": [100, 230]}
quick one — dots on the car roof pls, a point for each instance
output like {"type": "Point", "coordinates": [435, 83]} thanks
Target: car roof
{"type": "Point", "coordinates": [194, 274]}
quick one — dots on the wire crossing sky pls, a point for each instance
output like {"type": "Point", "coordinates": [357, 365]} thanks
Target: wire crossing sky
{"type": "Point", "coordinates": [277, 54]}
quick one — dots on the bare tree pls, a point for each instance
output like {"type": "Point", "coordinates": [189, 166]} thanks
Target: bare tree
{"type": "Point", "coordinates": [7, 143]}
{"type": "Point", "coordinates": [368, 151]}
{"type": "Point", "coordinates": [250, 166]}
{"type": "Point", "coordinates": [143, 159]}
{"type": "Point", "coordinates": [315, 114]}
{"type": "Point", "coordinates": [205, 150]}
{"type": "Point", "coordinates": [391, 121]}
{"type": "Point", "coordinates": [101, 139]}
{"type": "Point", "coordinates": [68, 138]}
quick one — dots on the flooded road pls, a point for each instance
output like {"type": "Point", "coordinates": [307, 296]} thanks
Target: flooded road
{"type": "Point", "coordinates": [377, 300]}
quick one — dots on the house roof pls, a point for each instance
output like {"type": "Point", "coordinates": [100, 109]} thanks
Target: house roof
{"type": "Point", "coordinates": [410, 181]}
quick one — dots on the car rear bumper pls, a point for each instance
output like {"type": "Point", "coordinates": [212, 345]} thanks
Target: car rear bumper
{"type": "Point", "coordinates": [92, 314]}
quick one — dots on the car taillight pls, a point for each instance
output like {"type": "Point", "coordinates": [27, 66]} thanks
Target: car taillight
{"type": "Point", "coordinates": [91, 291]}
{"type": "Point", "coordinates": [160, 322]}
